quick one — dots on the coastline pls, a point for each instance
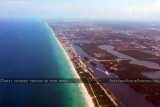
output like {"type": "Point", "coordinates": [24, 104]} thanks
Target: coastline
{"type": "Point", "coordinates": [86, 96]}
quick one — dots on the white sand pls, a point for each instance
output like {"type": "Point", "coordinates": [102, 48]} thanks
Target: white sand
{"type": "Point", "coordinates": [87, 97]}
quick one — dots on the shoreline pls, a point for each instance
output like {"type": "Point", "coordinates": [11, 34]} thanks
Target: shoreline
{"type": "Point", "coordinates": [86, 96]}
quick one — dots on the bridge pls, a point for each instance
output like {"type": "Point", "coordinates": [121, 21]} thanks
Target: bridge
{"type": "Point", "coordinates": [118, 59]}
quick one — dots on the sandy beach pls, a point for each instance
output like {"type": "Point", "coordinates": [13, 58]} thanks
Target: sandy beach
{"type": "Point", "coordinates": [87, 97]}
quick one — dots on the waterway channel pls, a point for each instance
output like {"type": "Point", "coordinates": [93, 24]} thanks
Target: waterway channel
{"type": "Point", "coordinates": [126, 95]}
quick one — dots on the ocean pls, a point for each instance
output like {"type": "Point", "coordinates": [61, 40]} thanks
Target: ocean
{"type": "Point", "coordinates": [28, 49]}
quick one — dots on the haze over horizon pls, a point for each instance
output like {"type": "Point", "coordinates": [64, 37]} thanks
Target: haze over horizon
{"type": "Point", "coordinates": [136, 10]}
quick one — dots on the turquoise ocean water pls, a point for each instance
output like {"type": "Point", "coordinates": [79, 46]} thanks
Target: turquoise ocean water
{"type": "Point", "coordinates": [28, 49]}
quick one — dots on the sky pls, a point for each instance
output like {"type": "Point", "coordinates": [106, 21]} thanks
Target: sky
{"type": "Point", "coordinates": [81, 9]}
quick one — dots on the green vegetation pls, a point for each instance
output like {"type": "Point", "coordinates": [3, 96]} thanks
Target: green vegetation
{"type": "Point", "coordinates": [98, 92]}
{"type": "Point", "coordinates": [141, 55]}
{"type": "Point", "coordinates": [92, 48]}
{"type": "Point", "coordinates": [124, 70]}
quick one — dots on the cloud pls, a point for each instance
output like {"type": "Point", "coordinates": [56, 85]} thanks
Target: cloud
{"type": "Point", "coordinates": [150, 12]}
{"type": "Point", "coordinates": [87, 9]}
